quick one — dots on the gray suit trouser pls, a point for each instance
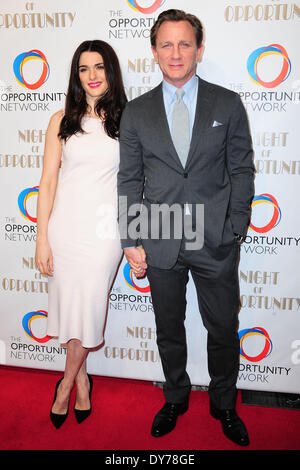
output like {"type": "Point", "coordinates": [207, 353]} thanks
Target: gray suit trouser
{"type": "Point", "coordinates": [217, 286]}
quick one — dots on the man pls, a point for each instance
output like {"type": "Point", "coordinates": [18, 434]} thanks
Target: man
{"type": "Point", "coordinates": [188, 152]}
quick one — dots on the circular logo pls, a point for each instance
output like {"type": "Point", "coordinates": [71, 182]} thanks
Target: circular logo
{"type": "Point", "coordinates": [267, 349]}
{"type": "Point", "coordinates": [26, 322]}
{"type": "Point", "coordinates": [258, 55]}
{"type": "Point", "coordinates": [147, 10]}
{"type": "Point", "coordinates": [24, 57]}
{"type": "Point", "coordinates": [128, 275]}
{"type": "Point", "coordinates": [22, 201]}
{"type": "Point", "coordinates": [276, 217]}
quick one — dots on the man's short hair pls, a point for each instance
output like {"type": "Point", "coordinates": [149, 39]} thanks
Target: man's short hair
{"type": "Point", "coordinates": [177, 15]}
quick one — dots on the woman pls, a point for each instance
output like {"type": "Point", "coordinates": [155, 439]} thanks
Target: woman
{"type": "Point", "coordinates": [71, 249]}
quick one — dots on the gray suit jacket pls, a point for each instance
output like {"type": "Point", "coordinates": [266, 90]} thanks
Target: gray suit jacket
{"type": "Point", "coordinates": [218, 173]}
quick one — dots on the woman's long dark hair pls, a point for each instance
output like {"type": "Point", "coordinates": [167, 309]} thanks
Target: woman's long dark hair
{"type": "Point", "coordinates": [109, 106]}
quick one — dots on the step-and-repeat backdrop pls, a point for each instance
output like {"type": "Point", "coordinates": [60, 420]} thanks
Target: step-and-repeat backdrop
{"type": "Point", "coordinates": [251, 47]}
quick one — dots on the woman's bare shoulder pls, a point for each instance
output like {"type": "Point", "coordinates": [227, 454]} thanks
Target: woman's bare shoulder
{"type": "Point", "coordinates": [55, 120]}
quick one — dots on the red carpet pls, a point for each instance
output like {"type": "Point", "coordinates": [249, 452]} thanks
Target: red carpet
{"type": "Point", "coordinates": [122, 415]}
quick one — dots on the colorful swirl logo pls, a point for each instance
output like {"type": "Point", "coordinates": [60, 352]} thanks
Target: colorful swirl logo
{"type": "Point", "coordinates": [22, 201]}
{"type": "Point", "coordinates": [268, 346]}
{"type": "Point", "coordinates": [147, 10]}
{"type": "Point", "coordinates": [276, 217]}
{"type": "Point", "coordinates": [26, 323]}
{"type": "Point", "coordinates": [258, 55]}
{"type": "Point", "coordinates": [128, 276]}
{"type": "Point", "coordinates": [24, 57]}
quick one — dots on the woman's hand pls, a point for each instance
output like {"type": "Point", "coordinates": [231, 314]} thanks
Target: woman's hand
{"type": "Point", "coordinates": [44, 258]}
{"type": "Point", "coordinates": [136, 258]}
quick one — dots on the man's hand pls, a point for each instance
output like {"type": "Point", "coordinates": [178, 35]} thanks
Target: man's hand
{"type": "Point", "coordinates": [136, 258]}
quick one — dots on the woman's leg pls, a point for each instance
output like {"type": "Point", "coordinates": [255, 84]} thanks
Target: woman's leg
{"type": "Point", "coordinates": [83, 389]}
{"type": "Point", "coordinates": [75, 365]}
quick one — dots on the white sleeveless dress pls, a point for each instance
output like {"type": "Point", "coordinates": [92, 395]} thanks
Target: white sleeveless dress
{"type": "Point", "coordinates": [83, 235]}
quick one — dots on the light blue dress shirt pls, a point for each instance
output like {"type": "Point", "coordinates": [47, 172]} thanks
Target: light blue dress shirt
{"type": "Point", "coordinates": [190, 99]}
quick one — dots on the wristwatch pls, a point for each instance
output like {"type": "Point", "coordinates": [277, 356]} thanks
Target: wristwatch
{"type": "Point", "coordinates": [239, 238]}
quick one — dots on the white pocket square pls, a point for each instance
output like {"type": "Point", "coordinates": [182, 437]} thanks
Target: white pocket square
{"type": "Point", "coordinates": [216, 124]}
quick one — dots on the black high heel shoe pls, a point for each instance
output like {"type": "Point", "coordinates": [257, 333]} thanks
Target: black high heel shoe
{"type": "Point", "coordinates": [81, 415]}
{"type": "Point", "coordinates": [58, 419]}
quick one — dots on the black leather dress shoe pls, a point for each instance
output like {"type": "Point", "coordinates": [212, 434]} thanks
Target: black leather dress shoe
{"type": "Point", "coordinates": [165, 420]}
{"type": "Point", "coordinates": [233, 426]}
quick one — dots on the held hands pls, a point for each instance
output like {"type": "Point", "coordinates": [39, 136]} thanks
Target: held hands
{"type": "Point", "coordinates": [136, 258]}
{"type": "Point", "coordinates": [43, 258]}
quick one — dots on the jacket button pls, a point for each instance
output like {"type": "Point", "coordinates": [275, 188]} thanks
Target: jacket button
{"type": "Point", "coordinates": [185, 175]}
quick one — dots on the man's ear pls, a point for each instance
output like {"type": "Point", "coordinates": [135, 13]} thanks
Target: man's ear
{"type": "Point", "coordinates": [200, 52]}
{"type": "Point", "coordinates": [154, 52]}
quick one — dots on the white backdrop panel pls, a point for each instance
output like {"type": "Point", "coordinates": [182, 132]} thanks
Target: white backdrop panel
{"type": "Point", "coordinates": [269, 264]}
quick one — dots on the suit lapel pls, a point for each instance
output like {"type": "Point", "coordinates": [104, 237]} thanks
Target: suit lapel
{"type": "Point", "coordinates": [202, 117]}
